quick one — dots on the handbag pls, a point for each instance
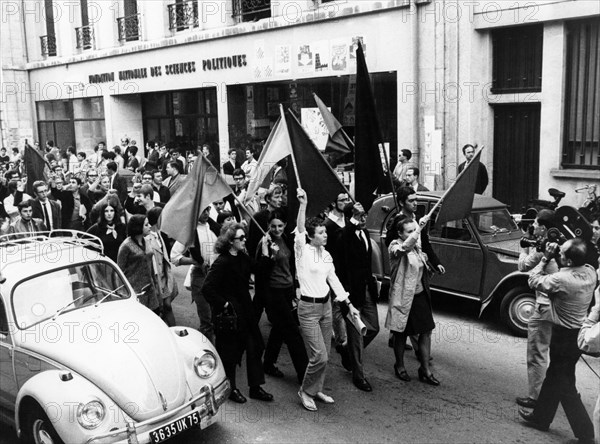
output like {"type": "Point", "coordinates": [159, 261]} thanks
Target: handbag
{"type": "Point", "coordinates": [226, 321]}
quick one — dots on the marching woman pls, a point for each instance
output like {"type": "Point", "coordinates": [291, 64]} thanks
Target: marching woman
{"type": "Point", "coordinates": [409, 309]}
{"type": "Point", "coordinates": [109, 230]}
{"type": "Point", "coordinates": [226, 288]}
{"type": "Point", "coordinates": [316, 274]}
{"type": "Point", "coordinates": [135, 260]}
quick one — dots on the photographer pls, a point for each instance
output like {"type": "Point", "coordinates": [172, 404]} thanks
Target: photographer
{"type": "Point", "coordinates": [570, 291]}
{"type": "Point", "coordinates": [539, 326]}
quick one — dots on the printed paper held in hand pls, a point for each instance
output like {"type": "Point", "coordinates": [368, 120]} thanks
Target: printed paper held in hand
{"type": "Point", "coordinates": [357, 322]}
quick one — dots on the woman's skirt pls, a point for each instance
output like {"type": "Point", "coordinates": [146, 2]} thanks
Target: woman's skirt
{"type": "Point", "coordinates": [420, 318]}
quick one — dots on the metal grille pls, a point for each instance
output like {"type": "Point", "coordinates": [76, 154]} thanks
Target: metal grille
{"type": "Point", "coordinates": [251, 10]}
{"type": "Point", "coordinates": [48, 43]}
{"type": "Point", "coordinates": [582, 96]}
{"type": "Point", "coordinates": [130, 28]}
{"type": "Point", "coordinates": [517, 59]}
{"type": "Point", "coordinates": [183, 15]}
{"type": "Point", "coordinates": [85, 37]}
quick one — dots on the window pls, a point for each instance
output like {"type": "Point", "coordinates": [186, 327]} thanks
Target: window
{"type": "Point", "coordinates": [129, 25]}
{"type": "Point", "coordinates": [582, 96]}
{"type": "Point", "coordinates": [48, 41]}
{"type": "Point", "coordinates": [251, 10]}
{"type": "Point", "coordinates": [517, 59]}
{"type": "Point", "coordinates": [78, 122]}
{"type": "Point", "coordinates": [183, 14]}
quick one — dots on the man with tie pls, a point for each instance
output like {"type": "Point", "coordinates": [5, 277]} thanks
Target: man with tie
{"type": "Point", "coordinates": [26, 223]}
{"type": "Point", "coordinates": [116, 181]}
{"type": "Point", "coordinates": [353, 267]}
{"type": "Point", "coordinates": [44, 208]}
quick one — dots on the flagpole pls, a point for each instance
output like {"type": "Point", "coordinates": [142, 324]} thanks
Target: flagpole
{"type": "Point", "coordinates": [293, 157]}
{"type": "Point", "coordinates": [326, 163]}
{"type": "Point", "coordinates": [387, 167]}
{"type": "Point", "coordinates": [439, 202]}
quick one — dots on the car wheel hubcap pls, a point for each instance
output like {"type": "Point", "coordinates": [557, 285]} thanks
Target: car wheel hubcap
{"type": "Point", "coordinates": [522, 310]}
{"type": "Point", "coordinates": [40, 434]}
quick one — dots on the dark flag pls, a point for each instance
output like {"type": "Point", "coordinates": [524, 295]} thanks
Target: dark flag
{"type": "Point", "coordinates": [36, 168]}
{"type": "Point", "coordinates": [320, 182]}
{"type": "Point", "coordinates": [338, 142]}
{"type": "Point", "coordinates": [203, 186]}
{"type": "Point", "coordinates": [457, 202]}
{"type": "Point", "coordinates": [369, 175]}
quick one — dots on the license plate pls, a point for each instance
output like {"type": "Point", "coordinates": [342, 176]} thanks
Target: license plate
{"type": "Point", "coordinates": [181, 425]}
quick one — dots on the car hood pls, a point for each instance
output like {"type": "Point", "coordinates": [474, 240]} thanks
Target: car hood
{"type": "Point", "coordinates": [121, 347]}
{"type": "Point", "coordinates": [508, 245]}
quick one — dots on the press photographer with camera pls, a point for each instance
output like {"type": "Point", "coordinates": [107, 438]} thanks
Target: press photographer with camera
{"type": "Point", "coordinates": [570, 291]}
{"type": "Point", "coordinates": [539, 326]}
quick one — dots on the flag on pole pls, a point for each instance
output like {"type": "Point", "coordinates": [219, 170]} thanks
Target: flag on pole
{"type": "Point", "coordinates": [202, 187]}
{"type": "Point", "coordinates": [321, 183]}
{"type": "Point", "coordinates": [338, 142]}
{"type": "Point", "coordinates": [457, 202]}
{"type": "Point", "coordinates": [36, 168]}
{"type": "Point", "coordinates": [276, 148]}
{"type": "Point", "coordinates": [368, 167]}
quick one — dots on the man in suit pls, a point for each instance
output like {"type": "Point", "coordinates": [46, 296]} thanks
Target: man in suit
{"type": "Point", "coordinates": [482, 174]}
{"type": "Point", "coordinates": [26, 223]}
{"type": "Point", "coordinates": [353, 267]}
{"type": "Point", "coordinates": [157, 183]}
{"type": "Point", "coordinates": [44, 208]}
{"type": "Point", "coordinates": [174, 180]}
{"type": "Point", "coordinates": [116, 181]}
{"type": "Point", "coordinates": [232, 164]}
{"type": "Point", "coordinates": [412, 179]}
{"type": "Point", "coordinates": [153, 156]}
{"type": "Point", "coordinates": [75, 206]}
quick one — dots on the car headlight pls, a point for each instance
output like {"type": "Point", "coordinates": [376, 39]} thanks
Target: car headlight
{"type": "Point", "coordinates": [206, 365]}
{"type": "Point", "coordinates": [90, 415]}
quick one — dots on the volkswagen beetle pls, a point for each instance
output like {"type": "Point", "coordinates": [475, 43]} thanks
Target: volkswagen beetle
{"type": "Point", "coordinates": [480, 254]}
{"type": "Point", "coordinates": [81, 361]}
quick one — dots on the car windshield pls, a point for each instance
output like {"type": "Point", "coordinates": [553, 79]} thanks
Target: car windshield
{"type": "Point", "coordinates": [494, 222]}
{"type": "Point", "coordinates": [59, 291]}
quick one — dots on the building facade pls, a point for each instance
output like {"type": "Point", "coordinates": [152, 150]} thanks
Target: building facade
{"type": "Point", "coordinates": [520, 78]}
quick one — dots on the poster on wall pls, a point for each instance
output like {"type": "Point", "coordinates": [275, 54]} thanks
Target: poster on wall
{"type": "Point", "coordinates": [339, 55]}
{"type": "Point", "coordinates": [283, 62]}
{"type": "Point", "coordinates": [315, 127]}
{"type": "Point", "coordinates": [263, 68]}
{"type": "Point", "coordinates": [305, 59]}
{"type": "Point", "coordinates": [354, 46]}
{"type": "Point", "coordinates": [322, 61]}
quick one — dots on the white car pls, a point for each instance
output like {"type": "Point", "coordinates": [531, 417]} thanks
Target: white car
{"type": "Point", "coordinates": [82, 361]}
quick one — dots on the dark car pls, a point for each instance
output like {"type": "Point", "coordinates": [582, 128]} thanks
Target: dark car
{"type": "Point", "coordinates": [480, 254]}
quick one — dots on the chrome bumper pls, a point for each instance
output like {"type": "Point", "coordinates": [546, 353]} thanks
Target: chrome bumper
{"type": "Point", "coordinates": [207, 402]}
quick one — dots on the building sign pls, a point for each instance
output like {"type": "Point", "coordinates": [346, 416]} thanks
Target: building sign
{"type": "Point", "coordinates": [235, 61]}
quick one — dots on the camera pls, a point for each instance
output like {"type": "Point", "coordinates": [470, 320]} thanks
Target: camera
{"type": "Point", "coordinates": [553, 235]}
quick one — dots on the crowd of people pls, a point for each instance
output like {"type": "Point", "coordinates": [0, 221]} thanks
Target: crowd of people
{"type": "Point", "coordinates": [314, 282]}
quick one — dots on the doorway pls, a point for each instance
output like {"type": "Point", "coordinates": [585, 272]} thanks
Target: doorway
{"type": "Point", "coordinates": [516, 154]}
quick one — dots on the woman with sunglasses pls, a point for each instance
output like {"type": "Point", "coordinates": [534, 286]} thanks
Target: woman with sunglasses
{"type": "Point", "coordinates": [226, 288]}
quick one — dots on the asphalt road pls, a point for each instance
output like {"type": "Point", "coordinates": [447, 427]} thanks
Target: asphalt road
{"type": "Point", "coordinates": [481, 368]}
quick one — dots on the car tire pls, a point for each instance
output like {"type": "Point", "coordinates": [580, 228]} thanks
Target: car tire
{"type": "Point", "coordinates": [38, 429]}
{"type": "Point", "coordinates": [516, 308]}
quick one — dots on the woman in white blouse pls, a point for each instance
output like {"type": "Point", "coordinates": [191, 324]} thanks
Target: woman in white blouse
{"type": "Point", "coordinates": [316, 274]}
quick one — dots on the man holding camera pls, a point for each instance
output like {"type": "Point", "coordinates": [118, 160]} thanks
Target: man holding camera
{"type": "Point", "coordinates": [570, 291]}
{"type": "Point", "coordinates": [539, 326]}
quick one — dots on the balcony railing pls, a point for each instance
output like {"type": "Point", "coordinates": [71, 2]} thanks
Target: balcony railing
{"type": "Point", "coordinates": [130, 28]}
{"type": "Point", "coordinates": [85, 38]}
{"type": "Point", "coordinates": [48, 43]}
{"type": "Point", "coordinates": [251, 10]}
{"type": "Point", "coordinates": [183, 15]}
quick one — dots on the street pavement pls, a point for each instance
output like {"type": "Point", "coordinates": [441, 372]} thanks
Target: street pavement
{"type": "Point", "coordinates": [481, 368]}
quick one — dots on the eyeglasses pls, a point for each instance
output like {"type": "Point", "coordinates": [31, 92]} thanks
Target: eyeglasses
{"type": "Point", "coordinates": [241, 238]}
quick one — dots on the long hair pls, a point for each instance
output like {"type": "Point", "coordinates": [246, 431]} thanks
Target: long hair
{"type": "Point", "coordinates": [225, 239]}
{"type": "Point", "coordinates": [135, 226]}
{"type": "Point", "coordinates": [102, 222]}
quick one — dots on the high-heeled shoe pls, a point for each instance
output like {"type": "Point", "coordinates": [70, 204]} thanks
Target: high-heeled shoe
{"type": "Point", "coordinates": [402, 375]}
{"type": "Point", "coordinates": [431, 380]}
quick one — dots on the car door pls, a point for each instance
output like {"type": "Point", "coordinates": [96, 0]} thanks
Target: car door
{"type": "Point", "coordinates": [458, 250]}
{"type": "Point", "coordinates": [8, 383]}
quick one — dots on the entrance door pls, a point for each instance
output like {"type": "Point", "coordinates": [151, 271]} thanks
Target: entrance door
{"type": "Point", "coordinates": [516, 154]}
